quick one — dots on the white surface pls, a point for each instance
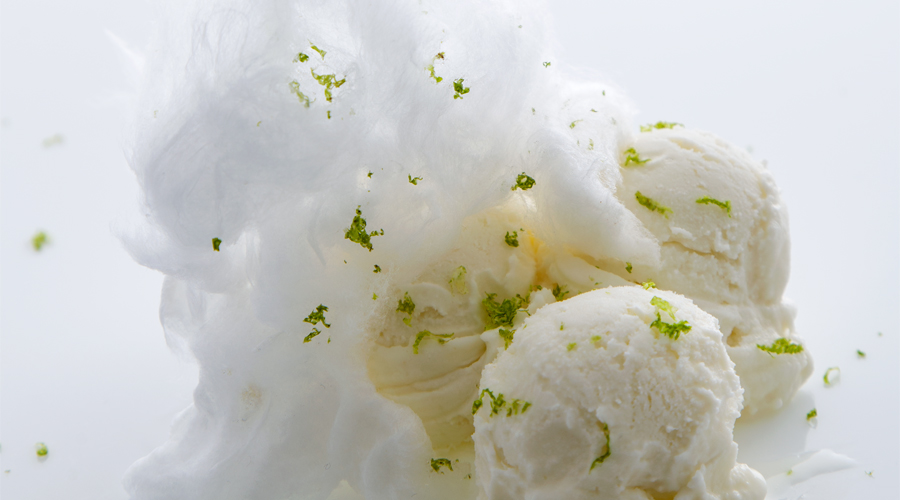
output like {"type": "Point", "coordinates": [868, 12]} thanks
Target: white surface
{"type": "Point", "coordinates": [811, 86]}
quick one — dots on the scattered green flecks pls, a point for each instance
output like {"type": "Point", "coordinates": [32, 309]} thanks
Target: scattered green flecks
{"type": "Point", "coordinates": [498, 402]}
{"type": "Point", "coordinates": [437, 463]}
{"type": "Point", "coordinates": [652, 205]}
{"type": "Point", "coordinates": [562, 326]}
{"type": "Point", "coordinates": [507, 336]}
{"type": "Point", "coordinates": [430, 67]}
{"type": "Point", "coordinates": [315, 332]}
{"type": "Point", "coordinates": [459, 89]}
{"type": "Point", "coordinates": [781, 346]}
{"type": "Point", "coordinates": [724, 205]}
{"type": "Point", "coordinates": [377, 269]}
{"type": "Point", "coordinates": [572, 125]}
{"type": "Point", "coordinates": [789, 472]}
{"type": "Point", "coordinates": [357, 232]}
{"type": "Point", "coordinates": [648, 285]}
{"type": "Point", "coordinates": [632, 158]}
{"type": "Point", "coordinates": [599, 460]}
{"type": "Point", "coordinates": [860, 353]}
{"type": "Point", "coordinates": [406, 305]}
{"type": "Point", "coordinates": [216, 242]}
{"type": "Point", "coordinates": [595, 339]}
{"type": "Point", "coordinates": [314, 318]}
{"type": "Point", "coordinates": [663, 305]}
{"type": "Point", "coordinates": [812, 414]}
{"type": "Point", "coordinates": [414, 180]}
{"type": "Point", "coordinates": [523, 182]}
{"type": "Point", "coordinates": [39, 240]}
{"type": "Point", "coordinates": [458, 281]}
{"type": "Point", "coordinates": [501, 313]}
{"type": "Point", "coordinates": [328, 114]}
{"type": "Point", "coordinates": [659, 125]}
{"type": "Point", "coordinates": [320, 51]}
{"type": "Point", "coordinates": [328, 81]}
{"type": "Point", "coordinates": [442, 339]}
{"type": "Point", "coordinates": [628, 267]}
{"type": "Point", "coordinates": [512, 239]}
{"type": "Point", "coordinates": [369, 175]}
{"type": "Point", "coordinates": [831, 375]}
{"type": "Point", "coordinates": [671, 330]}
{"type": "Point", "coordinates": [559, 292]}
{"type": "Point", "coordinates": [41, 449]}
{"type": "Point", "coordinates": [259, 123]}
{"type": "Point", "coordinates": [374, 296]}
{"type": "Point", "coordinates": [546, 64]}
{"type": "Point", "coordinates": [572, 346]}
{"type": "Point", "coordinates": [301, 57]}
{"type": "Point", "coordinates": [304, 99]}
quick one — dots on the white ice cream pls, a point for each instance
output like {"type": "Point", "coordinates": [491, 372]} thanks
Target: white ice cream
{"type": "Point", "coordinates": [733, 262]}
{"type": "Point", "coordinates": [591, 367]}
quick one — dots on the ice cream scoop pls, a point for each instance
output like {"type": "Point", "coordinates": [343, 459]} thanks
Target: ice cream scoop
{"type": "Point", "coordinates": [724, 242]}
{"type": "Point", "coordinates": [619, 393]}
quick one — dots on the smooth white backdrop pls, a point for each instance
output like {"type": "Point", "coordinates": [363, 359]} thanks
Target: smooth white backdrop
{"type": "Point", "coordinates": [813, 87]}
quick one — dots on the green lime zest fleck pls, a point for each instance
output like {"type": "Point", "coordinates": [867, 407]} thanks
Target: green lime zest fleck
{"type": "Point", "coordinates": [664, 305]}
{"type": "Point", "coordinates": [671, 330]}
{"type": "Point", "coordinates": [414, 180]}
{"type": "Point", "coordinates": [724, 205]}
{"type": "Point", "coordinates": [523, 182]}
{"type": "Point", "coordinates": [301, 57]}
{"type": "Point", "coordinates": [41, 449]}
{"type": "Point", "coordinates": [374, 296]}
{"type": "Point", "coordinates": [216, 242]}
{"type": "Point", "coordinates": [377, 269]}
{"type": "Point", "coordinates": [812, 414]}
{"type": "Point", "coordinates": [369, 175]}
{"type": "Point", "coordinates": [595, 339]}
{"type": "Point", "coordinates": [860, 353]}
{"type": "Point", "coordinates": [458, 281]}
{"type": "Point", "coordinates": [572, 125]}
{"type": "Point", "coordinates": [628, 267]}
{"type": "Point", "coordinates": [406, 305]}
{"type": "Point", "coordinates": [498, 402]}
{"type": "Point", "coordinates": [442, 339]}
{"type": "Point", "coordinates": [829, 378]}
{"type": "Point", "coordinates": [295, 88]}
{"type": "Point", "coordinates": [659, 125]}
{"type": "Point", "coordinates": [501, 313]}
{"type": "Point", "coordinates": [652, 205]}
{"type": "Point", "coordinates": [512, 239]}
{"type": "Point", "coordinates": [317, 316]}
{"type": "Point", "coordinates": [437, 463]}
{"type": "Point", "coordinates": [547, 64]}
{"type": "Point", "coordinates": [459, 89]}
{"type": "Point", "coordinates": [39, 240]}
{"type": "Point", "coordinates": [559, 292]}
{"type": "Point", "coordinates": [430, 67]}
{"type": "Point", "coordinates": [357, 232]}
{"type": "Point", "coordinates": [869, 473]}
{"type": "Point", "coordinates": [599, 460]}
{"type": "Point", "coordinates": [572, 346]}
{"type": "Point", "coordinates": [320, 51]}
{"type": "Point", "coordinates": [312, 335]}
{"type": "Point", "coordinates": [328, 81]}
{"type": "Point", "coordinates": [781, 346]}
{"type": "Point", "coordinates": [648, 285]}
{"type": "Point", "coordinates": [590, 144]}
{"type": "Point", "coordinates": [633, 158]}
{"type": "Point", "coordinates": [562, 326]}
{"type": "Point", "coordinates": [507, 336]}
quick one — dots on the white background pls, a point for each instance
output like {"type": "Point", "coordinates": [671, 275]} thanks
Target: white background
{"type": "Point", "coordinates": [812, 87]}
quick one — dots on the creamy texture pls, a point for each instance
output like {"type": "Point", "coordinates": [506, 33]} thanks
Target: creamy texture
{"type": "Point", "coordinates": [735, 268]}
{"type": "Point", "coordinates": [593, 365]}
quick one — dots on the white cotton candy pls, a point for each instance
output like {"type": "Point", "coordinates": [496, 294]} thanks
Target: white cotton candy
{"type": "Point", "coordinates": [224, 148]}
